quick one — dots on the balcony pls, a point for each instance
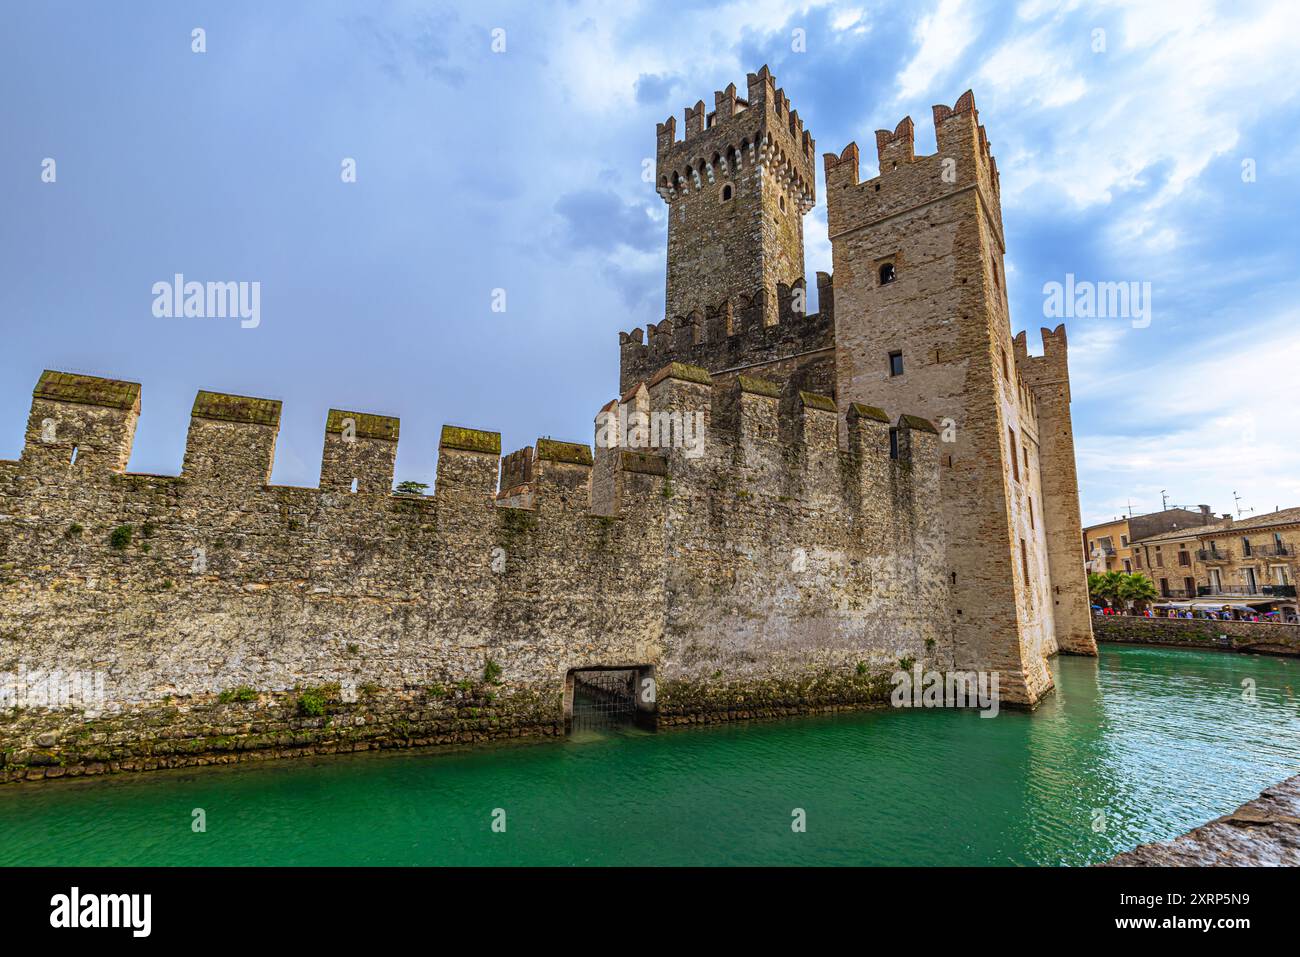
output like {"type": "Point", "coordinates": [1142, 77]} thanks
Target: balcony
{"type": "Point", "coordinates": [1266, 591]}
{"type": "Point", "coordinates": [1213, 555]}
{"type": "Point", "coordinates": [1280, 550]}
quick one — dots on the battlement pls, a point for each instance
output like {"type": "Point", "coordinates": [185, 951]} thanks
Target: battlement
{"type": "Point", "coordinates": [732, 336]}
{"type": "Point", "coordinates": [760, 132]}
{"type": "Point", "coordinates": [1049, 369]}
{"type": "Point", "coordinates": [746, 417]}
{"type": "Point", "coordinates": [904, 180]}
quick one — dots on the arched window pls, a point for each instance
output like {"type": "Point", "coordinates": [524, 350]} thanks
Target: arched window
{"type": "Point", "coordinates": [886, 273]}
{"type": "Point", "coordinates": [726, 192]}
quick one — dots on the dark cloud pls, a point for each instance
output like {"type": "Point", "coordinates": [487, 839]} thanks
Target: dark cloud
{"type": "Point", "coordinates": [654, 88]}
{"type": "Point", "coordinates": [601, 219]}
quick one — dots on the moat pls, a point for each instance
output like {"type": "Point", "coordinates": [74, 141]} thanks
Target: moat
{"type": "Point", "coordinates": [1157, 740]}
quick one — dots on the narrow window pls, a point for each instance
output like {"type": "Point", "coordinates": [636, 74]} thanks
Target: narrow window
{"type": "Point", "coordinates": [1123, 540]}
{"type": "Point", "coordinates": [1030, 501]}
{"type": "Point", "coordinates": [726, 192]}
{"type": "Point", "coordinates": [1015, 455]}
{"type": "Point", "coordinates": [954, 578]}
{"type": "Point", "coordinates": [886, 273]}
{"type": "Point", "coordinates": [1025, 450]}
{"type": "Point", "coordinates": [1006, 370]}
{"type": "Point", "coordinates": [895, 363]}
{"type": "Point", "coordinates": [1024, 559]}
{"type": "Point", "coordinates": [73, 460]}
{"type": "Point", "coordinates": [354, 485]}
{"type": "Point", "coordinates": [783, 204]}
{"type": "Point", "coordinates": [893, 443]}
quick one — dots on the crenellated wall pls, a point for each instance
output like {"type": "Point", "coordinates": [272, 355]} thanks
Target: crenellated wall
{"type": "Point", "coordinates": [772, 572]}
{"type": "Point", "coordinates": [731, 338]}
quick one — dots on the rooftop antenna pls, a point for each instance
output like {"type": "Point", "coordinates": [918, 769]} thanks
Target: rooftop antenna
{"type": "Point", "coordinates": [1237, 501]}
{"type": "Point", "coordinates": [1164, 500]}
{"type": "Point", "coordinates": [1130, 508]}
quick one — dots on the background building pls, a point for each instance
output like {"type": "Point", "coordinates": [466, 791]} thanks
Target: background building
{"type": "Point", "coordinates": [1106, 545]}
{"type": "Point", "coordinates": [1251, 560]}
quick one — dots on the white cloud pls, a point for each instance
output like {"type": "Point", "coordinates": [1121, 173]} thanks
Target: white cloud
{"type": "Point", "coordinates": [1174, 91]}
{"type": "Point", "coordinates": [1183, 425]}
{"type": "Point", "coordinates": [943, 35]}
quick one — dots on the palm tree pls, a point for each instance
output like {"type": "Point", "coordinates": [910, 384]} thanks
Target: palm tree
{"type": "Point", "coordinates": [1108, 586]}
{"type": "Point", "coordinates": [1137, 590]}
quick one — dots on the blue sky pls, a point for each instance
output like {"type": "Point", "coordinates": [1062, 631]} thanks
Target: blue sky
{"type": "Point", "coordinates": [521, 170]}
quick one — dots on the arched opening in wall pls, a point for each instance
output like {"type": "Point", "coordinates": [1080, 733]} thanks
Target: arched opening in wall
{"type": "Point", "coordinates": [73, 459]}
{"type": "Point", "coordinates": [608, 697]}
{"type": "Point", "coordinates": [782, 203]}
{"type": "Point", "coordinates": [726, 192]}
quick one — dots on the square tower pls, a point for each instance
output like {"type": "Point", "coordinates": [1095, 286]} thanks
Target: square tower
{"type": "Point", "coordinates": [737, 188]}
{"type": "Point", "coordinates": [922, 323]}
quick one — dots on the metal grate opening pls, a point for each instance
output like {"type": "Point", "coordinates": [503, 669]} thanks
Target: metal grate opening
{"type": "Point", "coordinates": [603, 699]}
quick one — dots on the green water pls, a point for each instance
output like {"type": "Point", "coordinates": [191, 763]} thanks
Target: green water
{"type": "Point", "coordinates": [1159, 740]}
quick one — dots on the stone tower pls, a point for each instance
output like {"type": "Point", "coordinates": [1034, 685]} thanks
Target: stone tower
{"type": "Point", "coordinates": [737, 188]}
{"type": "Point", "coordinates": [922, 323]}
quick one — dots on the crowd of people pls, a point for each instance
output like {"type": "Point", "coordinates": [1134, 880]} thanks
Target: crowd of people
{"type": "Point", "coordinates": [1211, 614]}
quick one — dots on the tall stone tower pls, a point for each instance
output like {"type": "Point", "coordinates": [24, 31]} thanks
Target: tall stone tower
{"type": "Point", "coordinates": [922, 323]}
{"type": "Point", "coordinates": [737, 188]}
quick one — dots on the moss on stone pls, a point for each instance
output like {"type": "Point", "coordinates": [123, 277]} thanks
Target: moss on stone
{"type": "Point", "coordinates": [683, 372]}
{"type": "Point", "coordinates": [470, 440]}
{"type": "Point", "coordinates": [918, 423]}
{"type": "Point", "coordinates": [237, 408]}
{"type": "Point", "coordinates": [365, 425]}
{"type": "Point", "coordinates": [811, 400]}
{"type": "Point", "coordinates": [87, 390]}
{"type": "Point", "coordinates": [859, 411]}
{"type": "Point", "coordinates": [754, 386]}
{"type": "Point", "coordinates": [574, 453]}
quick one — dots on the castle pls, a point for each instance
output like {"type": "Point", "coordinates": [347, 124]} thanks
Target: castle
{"type": "Point", "coordinates": [888, 481]}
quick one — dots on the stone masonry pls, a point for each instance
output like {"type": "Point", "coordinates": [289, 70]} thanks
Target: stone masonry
{"type": "Point", "coordinates": [158, 621]}
{"type": "Point", "coordinates": [914, 318]}
{"type": "Point", "coordinates": [819, 533]}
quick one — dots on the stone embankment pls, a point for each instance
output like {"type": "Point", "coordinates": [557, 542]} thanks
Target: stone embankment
{"type": "Point", "coordinates": [1264, 832]}
{"type": "Point", "coordinates": [1257, 637]}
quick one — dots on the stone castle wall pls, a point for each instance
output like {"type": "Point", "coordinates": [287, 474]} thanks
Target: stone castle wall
{"type": "Point", "coordinates": [221, 618]}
